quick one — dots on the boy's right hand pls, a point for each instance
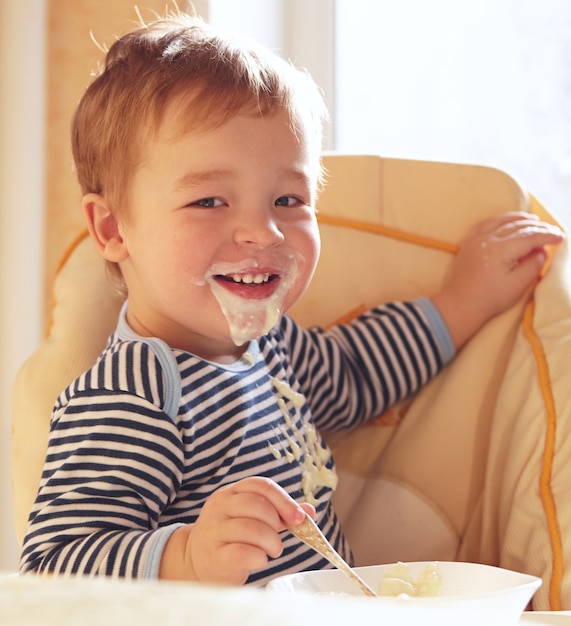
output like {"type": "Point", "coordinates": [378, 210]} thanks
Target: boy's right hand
{"type": "Point", "coordinates": [235, 533]}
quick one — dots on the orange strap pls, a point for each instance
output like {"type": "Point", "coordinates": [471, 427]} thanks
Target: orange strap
{"type": "Point", "coordinates": [545, 490]}
{"type": "Point", "coordinates": [546, 493]}
{"type": "Point", "coordinates": [393, 233]}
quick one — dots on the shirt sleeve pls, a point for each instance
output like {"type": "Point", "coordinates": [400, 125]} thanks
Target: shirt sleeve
{"type": "Point", "coordinates": [114, 462]}
{"type": "Point", "coordinates": [438, 326]}
{"type": "Point", "coordinates": [354, 372]}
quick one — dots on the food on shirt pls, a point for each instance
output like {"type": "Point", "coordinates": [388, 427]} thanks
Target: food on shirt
{"type": "Point", "coordinates": [398, 580]}
{"type": "Point", "coordinates": [297, 441]}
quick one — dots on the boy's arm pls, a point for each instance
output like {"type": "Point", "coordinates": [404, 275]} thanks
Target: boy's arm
{"type": "Point", "coordinates": [352, 372]}
{"type": "Point", "coordinates": [101, 487]}
{"type": "Point", "coordinates": [499, 261]}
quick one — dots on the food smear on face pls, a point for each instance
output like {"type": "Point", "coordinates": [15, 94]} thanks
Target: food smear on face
{"type": "Point", "coordinates": [399, 581]}
{"type": "Point", "coordinates": [251, 293]}
{"type": "Point", "coordinates": [302, 443]}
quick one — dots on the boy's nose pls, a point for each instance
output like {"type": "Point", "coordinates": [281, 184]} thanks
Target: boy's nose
{"type": "Point", "coordinates": [259, 230]}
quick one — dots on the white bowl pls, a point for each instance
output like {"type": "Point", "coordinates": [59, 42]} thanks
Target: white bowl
{"type": "Point", "coordinates": [476, 594]}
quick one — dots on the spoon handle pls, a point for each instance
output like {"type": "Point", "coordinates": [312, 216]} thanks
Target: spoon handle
{"type": "Point", "coordinates": [309, 533]}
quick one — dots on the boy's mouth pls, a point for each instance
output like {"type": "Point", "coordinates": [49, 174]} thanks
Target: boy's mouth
{"type": "Point", "coordinates": [249, 285]}
{"type": "Point", "coordinates": [248, 279]}
{"type": "Point", "coordinates": [251, 293]}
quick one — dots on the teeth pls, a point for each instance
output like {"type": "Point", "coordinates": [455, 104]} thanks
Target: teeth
{"type": "Point", "coordinates": [248, 279]}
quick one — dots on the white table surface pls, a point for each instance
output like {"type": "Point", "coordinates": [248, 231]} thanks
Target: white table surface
{"type": "Point", "coordinates": [52, 601]}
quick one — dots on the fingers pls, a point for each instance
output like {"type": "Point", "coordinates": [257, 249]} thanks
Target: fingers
{"type": "Point", "coordinates": [248, 531]}
{"type": "Point", "coordinates": [309, 509]}
{"type": "Point", "coordinates": [517, 225]}
{"type": "Point", "coordinates": [509, 240]}
{"type": "Point", "coordinates": [238, 529]}
{"type": "Point", "coordinates": [490, 225]}
{"type": "Point", "coordinates": [532, 233]}
{"type": "Point", "coordinates": [282, 504]}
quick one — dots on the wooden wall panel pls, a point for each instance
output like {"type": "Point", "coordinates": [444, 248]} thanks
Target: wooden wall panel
{"type": "Point", "coordinates": [72, 57]}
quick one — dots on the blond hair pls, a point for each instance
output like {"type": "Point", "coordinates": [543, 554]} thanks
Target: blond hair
{"type": "Point", "coordinates": [178, 55]}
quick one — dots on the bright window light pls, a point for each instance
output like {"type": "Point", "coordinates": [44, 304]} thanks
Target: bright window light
{"type": "Point", "coordinates": [480, 81]}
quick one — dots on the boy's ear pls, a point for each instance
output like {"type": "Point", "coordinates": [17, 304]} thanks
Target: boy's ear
{"type": "Point", "coordinates": [104, 228]}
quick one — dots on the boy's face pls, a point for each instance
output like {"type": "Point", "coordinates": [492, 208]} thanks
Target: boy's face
{"type": "Point", "coordinates": [220, 237]}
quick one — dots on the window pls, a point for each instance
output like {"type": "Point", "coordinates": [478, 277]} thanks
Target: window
{"type": "Point", "coordinates": [296, 29]}
{"type": "Point", "coordinates": [481, 81]}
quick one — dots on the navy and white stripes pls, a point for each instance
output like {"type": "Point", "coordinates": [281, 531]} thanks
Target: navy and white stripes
{"type": "Point", "coordinates": [124, 468]}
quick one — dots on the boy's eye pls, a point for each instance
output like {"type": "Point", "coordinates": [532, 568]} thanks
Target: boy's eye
{"type": "Point", "coordinates": [287, 201]}
{"type": "Point", "coordinates": [208, 203]}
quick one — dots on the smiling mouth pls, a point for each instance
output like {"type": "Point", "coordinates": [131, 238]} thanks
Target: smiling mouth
{"type": "Point", "coordinates": [248, 279]}
{"type": "Point", "coordinates": [251, 293]}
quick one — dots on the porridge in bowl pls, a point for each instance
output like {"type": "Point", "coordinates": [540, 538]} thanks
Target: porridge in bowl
{"type": "Point", "coordinates": [398, 580]}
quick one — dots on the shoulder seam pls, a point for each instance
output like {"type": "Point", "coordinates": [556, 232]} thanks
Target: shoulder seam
{"type": "Point", "coordinates": [169, 365]}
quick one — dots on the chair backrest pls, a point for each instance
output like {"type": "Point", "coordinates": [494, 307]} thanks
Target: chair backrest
{"type": "Point", "coordinates": [412, 489]}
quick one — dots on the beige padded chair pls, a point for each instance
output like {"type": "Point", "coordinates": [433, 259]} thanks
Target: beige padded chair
{"type": "Point", "coordinates": [477, 466]}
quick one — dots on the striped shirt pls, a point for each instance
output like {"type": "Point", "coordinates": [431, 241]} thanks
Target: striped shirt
{"type": "Point", "coordinates": [140, 441]}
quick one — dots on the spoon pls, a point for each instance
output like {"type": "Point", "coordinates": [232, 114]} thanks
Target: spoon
{"type": "Point", "coordinates": [310, 534]}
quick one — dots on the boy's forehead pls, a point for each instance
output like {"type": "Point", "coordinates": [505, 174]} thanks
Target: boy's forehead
{"type": "Point", "coordinates": [180, 119]}
{"type": "Point", "coordinates": [175, 138]}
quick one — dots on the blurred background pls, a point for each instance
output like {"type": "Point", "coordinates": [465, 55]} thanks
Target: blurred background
{"type": "Point", "coordinates": [477, 81]}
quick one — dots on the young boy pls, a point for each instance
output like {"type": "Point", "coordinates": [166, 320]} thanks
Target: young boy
{"type": "Point", "coordinates": [193, 440]}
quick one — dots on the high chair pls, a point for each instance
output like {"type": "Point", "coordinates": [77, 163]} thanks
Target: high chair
{"type": "Point", "coordinates": [475, 467]}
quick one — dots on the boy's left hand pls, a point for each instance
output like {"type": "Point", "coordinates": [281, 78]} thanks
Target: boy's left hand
{"type": "Point", "coordinates": [499, 260]}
